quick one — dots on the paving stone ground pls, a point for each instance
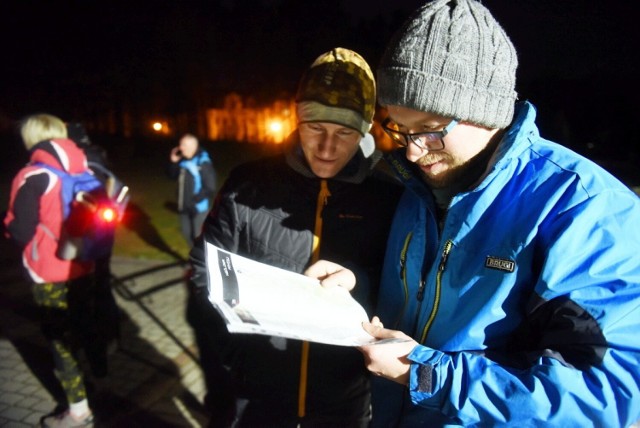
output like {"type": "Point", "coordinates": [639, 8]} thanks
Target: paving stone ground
{"type": "Point", "coordinates": [154, 379]}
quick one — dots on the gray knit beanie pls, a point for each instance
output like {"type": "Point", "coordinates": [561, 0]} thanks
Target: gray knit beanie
{"type": "Point", "coordinates": [453, 59]}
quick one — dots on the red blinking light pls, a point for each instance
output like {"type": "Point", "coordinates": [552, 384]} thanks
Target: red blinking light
{"type": "Point", "coordinates": [108, 214]}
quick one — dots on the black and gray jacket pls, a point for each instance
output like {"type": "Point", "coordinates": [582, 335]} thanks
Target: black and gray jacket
{"type": "Point", "coordinates": [266, 211]}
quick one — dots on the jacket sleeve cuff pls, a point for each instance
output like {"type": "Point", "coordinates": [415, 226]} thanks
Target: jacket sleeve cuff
{"type": "Point", "coordinates": [425, 376]}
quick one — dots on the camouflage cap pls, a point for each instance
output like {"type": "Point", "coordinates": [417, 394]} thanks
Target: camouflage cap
{"type": "Point", "coordinates": [339, 88]}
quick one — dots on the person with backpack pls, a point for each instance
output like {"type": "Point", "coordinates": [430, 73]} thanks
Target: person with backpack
{"type": "Point", "coordinates": [107, 311]}
{"type": "Point", "coordinates": [191, 165]}
{"type": "Point", "coordinates": [62, 288]}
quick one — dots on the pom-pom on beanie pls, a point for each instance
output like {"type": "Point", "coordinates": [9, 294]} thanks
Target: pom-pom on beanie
{"type": "Point", "coordinates": [451, 58]}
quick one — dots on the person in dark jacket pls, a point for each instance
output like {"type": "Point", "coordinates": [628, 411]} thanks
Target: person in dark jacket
{"type": "Point", "coordinates": [191, 165]}
{"type": "Point", "coordinates": [324, 197]}
{"type": "Point", "coordinates": [106, 309]}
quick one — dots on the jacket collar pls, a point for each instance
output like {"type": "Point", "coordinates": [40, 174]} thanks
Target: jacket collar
{"type": "Point", "coordinates": [60, 153]}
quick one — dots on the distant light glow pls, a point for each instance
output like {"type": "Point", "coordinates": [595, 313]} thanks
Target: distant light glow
{"type": "Point", "coordinates": [157, 126]}
{"type": "Point", "coordinates": [276, 129]}
{"type": "Point", "coordinates": [275, 126]}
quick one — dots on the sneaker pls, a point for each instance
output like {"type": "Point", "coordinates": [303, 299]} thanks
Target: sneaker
{"type": "Point", "coordinates": [66, 420]}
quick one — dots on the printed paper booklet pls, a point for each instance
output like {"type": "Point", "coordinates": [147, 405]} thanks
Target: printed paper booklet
{"type": "Point", "coordinates": [257, 298]}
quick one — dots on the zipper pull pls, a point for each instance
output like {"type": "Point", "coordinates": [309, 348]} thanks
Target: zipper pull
{"type": "Point", "coordinates": [420, 295]}
{"type": "Point", "coordinates": [323, 196]}
{"type": "Point", "coordinates": [445, 255]}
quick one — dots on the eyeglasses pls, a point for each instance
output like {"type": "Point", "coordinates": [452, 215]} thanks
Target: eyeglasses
{"type": "Point", "coordinates": [431, 141]}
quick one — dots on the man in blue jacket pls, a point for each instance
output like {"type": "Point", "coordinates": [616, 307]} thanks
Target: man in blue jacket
{"type": "Point", "coordinates": [511, 283]}
{"type": "Point", "coordinates": [191, 165]}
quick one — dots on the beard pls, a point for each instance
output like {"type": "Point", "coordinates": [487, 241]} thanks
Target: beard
{"type": "Point", "coordinates": [445, 178]}
{"type": "Point", "coordinates": [458, 175]}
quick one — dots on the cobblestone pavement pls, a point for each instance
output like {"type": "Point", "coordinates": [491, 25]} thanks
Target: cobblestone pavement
{"type": "Point", "coordinates": [153, 379]}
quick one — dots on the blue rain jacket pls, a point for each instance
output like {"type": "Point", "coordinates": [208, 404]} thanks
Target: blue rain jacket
{"type": "Point", "coordinates": [193, 166]}
{"type": "Point", "coordinates": [527, 306]}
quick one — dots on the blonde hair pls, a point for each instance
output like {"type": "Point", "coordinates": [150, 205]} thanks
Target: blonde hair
{"type": "Point", "coordinates": [40, 127]}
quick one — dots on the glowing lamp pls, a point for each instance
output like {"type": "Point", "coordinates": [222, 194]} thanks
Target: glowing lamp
{"type": "Point", "coordinates": [275, 126]}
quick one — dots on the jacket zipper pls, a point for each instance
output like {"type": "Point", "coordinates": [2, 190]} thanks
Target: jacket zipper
{"type": "Point", "coordinates": [181, 190]}
{"type": "Point", "coordinates": [403, 276]}
{"type": "Point", "coordinates": [323, 199]}
{"type": "Point", "coordinates": [419, 298]}
{"type": "Point", "coordinates": [436, 299]}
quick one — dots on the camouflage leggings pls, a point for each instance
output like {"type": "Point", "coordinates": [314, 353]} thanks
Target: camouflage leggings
{"type": "Point", "coordinates": [61, 306]}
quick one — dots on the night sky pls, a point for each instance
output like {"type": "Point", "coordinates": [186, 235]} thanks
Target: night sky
{"type": "Point", "coordinates": [577, 56]}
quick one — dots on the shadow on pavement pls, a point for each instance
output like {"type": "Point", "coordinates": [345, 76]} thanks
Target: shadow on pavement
{"type": "Point", "coordinates": [137, 220]}
{"type": "Point", "coordinates": [143, 387]}
{"type": "Point", "coordinates": [119, 285]}
{"type": "Point", "coordinates": [19, 324]}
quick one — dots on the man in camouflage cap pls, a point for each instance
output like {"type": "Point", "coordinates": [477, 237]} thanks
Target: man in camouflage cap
{"type": "Point", "coordinates": [322, 198]}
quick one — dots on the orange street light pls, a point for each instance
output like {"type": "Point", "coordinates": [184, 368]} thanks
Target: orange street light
{"type": "Point", "coordinates": [275, 126]}
{"type": "Point", "coordinates": [276, 129]}
{"type": "Point", "coordinates": [161, 127]}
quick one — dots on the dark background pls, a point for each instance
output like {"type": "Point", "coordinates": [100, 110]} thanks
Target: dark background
{"type": "Point", "coordinates": [77, 59]}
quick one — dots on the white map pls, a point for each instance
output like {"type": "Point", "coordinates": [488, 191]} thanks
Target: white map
{"type": "Point", "coordinates": [257, 298]}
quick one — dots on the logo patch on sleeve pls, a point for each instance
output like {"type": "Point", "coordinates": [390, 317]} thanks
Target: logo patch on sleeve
{"type": "Point", "coordinates": [500, 264]}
